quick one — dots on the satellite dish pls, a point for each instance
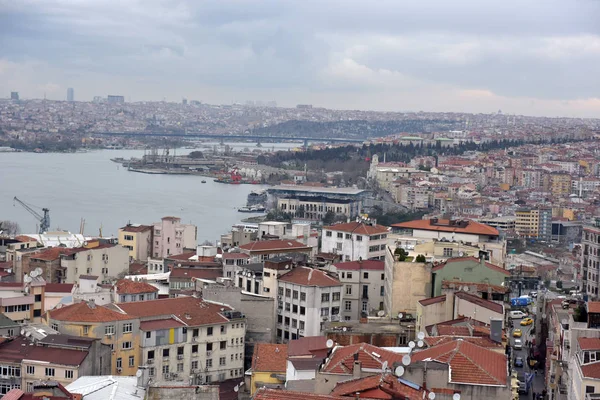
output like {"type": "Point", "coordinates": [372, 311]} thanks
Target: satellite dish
{"type": "Point", "coordinates": [28, 334]}
{"type": "Point", "coordinates": [329, 343]}
{"type": "Point", "coordinates": [399, 371]}
{"type": "Point", "coordinates": [22, 331]}
{"type": "Point", "coordinates": [39, 271]}
{"type": "Point", "coordinates": [460, 254]}
{"type": "Point", "coordinates": [236, 388]}
{"type": "Point", "coordinates": [384, 367]}
{"type": "Point", "coordinates": [344, 329]}
{"type": "Point", "coordinates": [431, 396]}
{"type": "Point", "coordinates": [406, 360]}
{"type": "Point", "coordinates": [456, 396]}
{"type": "Point", "coordinates": [380, 313]}
{"type": "Point", "coordinates": [138, 373]}
{"type": "Point", "coordinates": [27, 278]}
{"type": "Point", "coordinates": [466, 288]}
{"type": "Point", "coordinates": [32, 274]}
{"type": "Point", "coordinates": [411, 344]}
{"type": "Point", "coordinates": [421, 335]}
{"type": "Point", "coordinates": [420, 343]}
{"type": "Point", "coordinates": [400, 315]}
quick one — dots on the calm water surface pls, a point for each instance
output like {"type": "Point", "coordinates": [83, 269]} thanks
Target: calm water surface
{"type": "Point", "coordinates": [90, 186]}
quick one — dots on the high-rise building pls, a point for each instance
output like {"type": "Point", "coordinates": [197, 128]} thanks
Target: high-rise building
{"type": "Point", "coordinates": [534, 223]}
{"type": "Point", "coordinates": [70, 94]}
{"type": "Point", "coordinates": [115, 99]}
{"type": "Point", "coordinates": [14, 95]}
{"type": "Point", "coordinates": [590, 259]}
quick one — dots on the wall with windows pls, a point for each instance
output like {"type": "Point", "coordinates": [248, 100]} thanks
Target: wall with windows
{"type": "Point", "coordinates": [104, 262]}
{"type": "Point", "coordinates": [353, 247]}
{"type": "Point", "coordinates": [363, 291]}
{"type": "Point", "coordinates": [10, 377]}
{"type": "Point", "coordinates": [41, 371]}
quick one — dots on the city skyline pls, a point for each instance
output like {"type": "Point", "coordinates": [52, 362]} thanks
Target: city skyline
{"type": "Point", "coordinates": [536, 59]}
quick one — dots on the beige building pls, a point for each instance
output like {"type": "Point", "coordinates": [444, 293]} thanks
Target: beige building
{"type": "Point", "coordinates": [405, 284]}
{"type": "Point", "coordinates": [138, 240]}
{"type": "Point", "coordinates": [106, 261]}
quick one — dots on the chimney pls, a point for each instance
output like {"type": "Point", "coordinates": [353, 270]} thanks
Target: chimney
{"type": "Point", "coordinates": [449, 305]}
{"type": "Point", "coordinates": [356, 367]}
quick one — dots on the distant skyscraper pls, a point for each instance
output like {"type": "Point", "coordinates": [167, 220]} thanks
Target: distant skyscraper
{"type": "Point", "coordinates": [14, 95]}
{"type": "Point", "coordinates": [70, 94]}
{"type": "Point", "coordinates": [115, 99]}
{"type": "Point", "coordinates": [184, 102]}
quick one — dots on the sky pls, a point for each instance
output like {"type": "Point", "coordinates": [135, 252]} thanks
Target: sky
{"type": "Point", "coordinates": [519, 56]}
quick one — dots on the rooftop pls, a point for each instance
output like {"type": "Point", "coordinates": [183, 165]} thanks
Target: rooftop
{"type": "Point", "coordinates": [107, 388]}
{"type": "Point", "coordinates": [199, 273]}
{"type": "Point", "coordinates": [276, 394]}
{"type": "Point", "coordinates": [445, 225]}
{"type": "Point", "coordinates": [86, 312]}
{"type": "Point", "coordinates": [472, 261]}
{"type": "Point", "coordinates": [341, 361]}
{"type": "Point", "coordinates": [358, 228]}
{"type": "Point", "coordinates": [269, 357]}
{"type": "Point", "coordinates": [136, 228]}
{"type": "Point", "coordinates": [19, 349]}
{"type": "Point", "coordinates": [433, 300]}
{"type": "Point", "coordinates": [314, 346]}
{"type": "Point", "coordinates": [589, 343]}
{"type": "Point", "coordinates": [374, 265]}
{"type": "Point", "coordinates": [593, 306]}
{"type": "Point", "coordinates": [383, 386]}
{"type": "Point", "coordinates": [275, 245]}
{"type": "Point", "coordinates": [306, 276]}
{"type": "Point", "coordinates": [490, 305]}
{"type": "Point", "coordinates": [127, 286]}
{"type": "Point", "coordinates": [316, 190]}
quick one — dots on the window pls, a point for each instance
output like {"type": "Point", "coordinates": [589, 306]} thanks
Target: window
{"type": "Point", "coordinates": [222, 360]}
{"type": "Point", "coordinates": [86, 329]}
{"type": "Point", "coordinates": [382, 277]}
{"type": "Point", "coordinates": [209, 346]}
{"type": "Point", "coordinates": [127, 345]}
{"type": "Point", "coordinates": [324, 297]}
{"type": "Point", "coordinates": [131, 361]}
{"type": "Point", "coordinates": [348, 305]}
{"type": "Point", "coordinates": [49, 372]}
{"type": "Point", "coordinates": [374, 248]}
{"type": "Point", "coordinates": [349, 275]}
{"type": "Point", "coordinates": [209, 331]}
{"type": "Point", "coordinates": [295, 294]}
{"type": "Point", "coordinates": [324, 311]}
{"type": "Point", "coordinates": [54, 326]}
{"type": "Point", "coordinates": [128, 327]}
{"type": "Point", "coordinates": [288, 306]}
{"type": "Point", "coordinates": [165, 353]}
{"type": "Point", "coordinates": [328, 233]}
{"type": "Point", "coordinates": [128, 237]}
{"type": "Point", "coordinates": [294, 323]}
{"type": "Point", "coordinates": [194, 364]}
{"type": "Point", "coordinates": [365, 275]}
{"type": "Point", "coordinates": [340, 235]}
{"type": "Point", "coordinates": [165, 369]}
{"type": "Point", "coordinates": [339, 246]}
{"type": "Point", "coordinates": [180, 351]}
{"type": "Point", "coordinates": [348, 236]}
{"type": "Point", "coordinates": [280, 291]}
{"type": "Point", "coordinates": [447, 252]}
{"type": "Point", "coordinates": [196, 332]}
{"type": "Point", "coordinates": [38, 298]}
{"type": "Point", "coordinates": [209, 363]}
{"type": "Point", "coordinates": [288, 292]}
{"type": "Point", "coordinates": [208, 379]}
{"type": "Point", "coordinates": [148, 335]}
{"type": "Point", "coordinates": [335, 310]}
{"type": "Point", "coordinates": [302, 296]}
{"type": "Point", "coordinates": [302, 310]}
{"type": "Point", "coordinates": [279, 320]}
{"type": "Point", "coordinates": [151, 371]}
{"type": "Point", "coordinates": [336, 296]}
{"type": "Point", "coordinates": [287, 321]}
{"type": "Point", "coordinates": [365, 306]}
{"type": "Point", "coordinates": [295, 309]}
{"type": "Point", "coordinates": [358, 238]}
{"type": "Point", "coordinates": [109, 330]}
{"type": "Point", "coordinates": [589, 389]}
{"type": "Point", "coordinates": [301, 325]}
{"type": "Point", "coordinates": [150, 354]}
{"type": "Point", "coordinates": [30, 370]}
{"type": "Point", "coordinates": [195, 349]}
{"type": "Point", "coordinates": [223, 345]}
{"type": "Point", "coordinates": [382, 291]}
{"type": "Point", "coordinates": [348, 289]}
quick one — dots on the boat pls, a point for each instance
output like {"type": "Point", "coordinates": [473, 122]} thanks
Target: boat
{"type": "Point", "coordinates": [203, 181]}
{"type": "Point", "coordinates": [252, 209]}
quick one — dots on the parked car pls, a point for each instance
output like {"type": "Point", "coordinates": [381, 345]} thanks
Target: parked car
{"type": "Point", "coordinates": [519, 362]}
{"type": "Point", "coordinates": [518, 344]}
{"type": "Point", "coordinates": [517, 314]}
{"type": "Point", "coordinates": [517, 333]}
{"type": "Point", "coordinates": [526, 321]}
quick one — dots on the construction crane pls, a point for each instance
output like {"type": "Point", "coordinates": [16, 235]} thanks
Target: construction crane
{"type": "Point", "coordinates": [43, 219]}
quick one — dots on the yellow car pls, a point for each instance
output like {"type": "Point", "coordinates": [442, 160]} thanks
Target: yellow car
{"type": "Point", "coordinates": [517, 333]}
{"type": "Point", "coordinates": [526, 321]}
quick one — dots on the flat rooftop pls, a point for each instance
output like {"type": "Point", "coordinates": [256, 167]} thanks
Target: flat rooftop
{"type": "Point", "coordinates": [311, 189]}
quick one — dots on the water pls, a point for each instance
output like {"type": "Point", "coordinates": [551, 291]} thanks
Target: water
{"type": "Point", "coordinates": [90, 186]}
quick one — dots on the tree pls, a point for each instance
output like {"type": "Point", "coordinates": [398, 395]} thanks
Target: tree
{"type": "Point", "coordinates": [196, 154]}
{"type": "Point", "coordinates": [421, 258]}
{"type": "Point", "coordinates": [400, 253]}
{"type": "Point", "coordinates": [9, 228]}
{"type": "Point", "coordinates": [580, 314]}
{"type": "Point", "coordinates": [328, 218]}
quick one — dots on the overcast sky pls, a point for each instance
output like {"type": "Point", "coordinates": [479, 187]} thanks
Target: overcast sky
{"type": "Point", "coordinates": [520, 56]}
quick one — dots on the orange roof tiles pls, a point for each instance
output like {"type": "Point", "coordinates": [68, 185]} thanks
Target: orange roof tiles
{"type": "Point", "coordinates": [274, 394]}
{"type": "Point", "coordinates": [469, 363]}
{"type": "Point", "coordinates": [485, 342]}
{"type": "Point", "coordinates": [433, 300]}
{"type": "Point", "coordinates": [50, 254]}
{"type": "Point", "coordinates": [443, 225]}
{"type": "Point", "coordinates": [138, 228]}
{"type": "Point", "coordinates": [358, 228]}
{"type": "Point", "coordinates": [269, 357]}
{"type": "Point", "coordinates": [127, 286]}
{"type": "Point", "coordinates": [274, 245]}
{"type": "Point", "coordinates": [59, 287]}
{"type": "Point", "coordinates": [383, 386]}
{"type": "Point", "coordinates": [309, 277]}
{"type": "Point", "coordinates": [591, 370]}
{"type": "Point", "coordinates": [190, 310]}
{"type": "Point", "coordinates": [85, 312]}
{"type": "Point", "coordinates": [375, 265]}
{"type": "Point", "coordinates": [342, 359]}
{"type": "Point", "coordinates": [589, 343]}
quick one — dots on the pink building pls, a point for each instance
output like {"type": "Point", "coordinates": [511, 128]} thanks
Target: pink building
{"type": "Point", "coordinates": [171, 237]}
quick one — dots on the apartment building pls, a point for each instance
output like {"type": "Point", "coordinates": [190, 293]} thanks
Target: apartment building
{"type": "Point", "coordinates": [363, 287]}
{"type": "Point", "coordinates": [106, 261]}
{"type": "Point", "coordinates": [187, 337]}
{"type": "Point", "coordinates": [585, 376]}
{"type": "Point", "coordinates": [138, 240]}
{"type": "Point", "coordinates": [306, 298]}
{"type": "Point", "coordinates": [171, 237]}
{"type": "Point", "coordinates": [265, 249]}
{"type": "Point", "coordinates": [127, 290]}
{"type": "Point", "coordinates": [355, 240]}
{"type": "Point", "coordinates": [23, 302]}
{"type": "Point", "coordinates": [590, 259]}
{"type": "Point", "coordinates": [534, 223]}
{"type": "Point", "coordinates": [405, 284]}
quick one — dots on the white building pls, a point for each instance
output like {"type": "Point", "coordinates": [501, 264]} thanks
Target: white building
{"type": "Point", "coordinates": [355, 241]}
{"type": "Point", "coordinates": [306, 298]}
{"type": "Point", "coordinates": [171, 237]}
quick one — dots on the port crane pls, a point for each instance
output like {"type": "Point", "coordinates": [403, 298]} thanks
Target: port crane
{"type": "Point", "coordinates": [43, 219]}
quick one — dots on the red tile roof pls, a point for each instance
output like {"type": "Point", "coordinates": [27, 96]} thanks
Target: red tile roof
{"type": "Point", "coordinates": [275, 394]}
{"type": "Point", "coordinates": [471, 260]}
{"type": "Point", "coordinates": [309, 277]}
{"type": "Point", "coordinates": [50, 254]}
{"type": "Point", "coordinates": [342, 359]}
{"type": "Point", "coordinates": [589, 343]}
{"type": "Point", "coordinates": [269, 357]}
{"type": "Point", "coordinates": [384, 386]}
{"type": "Point", "coordinates": [138, 228]}
{"type": "Point", "coordinates": [13, 394]}
{"type": "Point", "coordinates": [190, 310]}
{"type": "Point", "coordinates": [481, 287]}
{"type": "Point", "coordinates": [59, 287]}
{"type": "Point", "coordinates": [358, 228]}
{"type": "Point", "coordinates": [490, 305]}
{"type": "Point", "coordinates": [200, 273]}
{"type": "Point", "coordinates": [275, 245]}
{"type": "Point", "coordinates": [443, 225]}
{"type": "Point", "coordinates": [159, 324]}
{"type": "Point", "coordinates": [433, 300]}
{"type": "Point", "coordinates": [485, 342]}
{"type": "Point", "coordinates": [373, 265]}
{"type": "Point", "coordinates": [86, 312]}
{"type": "Point", "coordinates": [591, 370]}
{"type": "Point", "coordinates": [23, 238]}
{"type": "Point", "coordinates": [183, 256]}
{"type": "Point", "coordinates": [138, 269]}
{"type": "Point", "coordinates": [593, 306]}
{"type": "Point", "coordinates": [308, 346]}
{"type": "Point", "coordinates": [469, 363]}
{"type": "Point", "coordinates": [127, 286]}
